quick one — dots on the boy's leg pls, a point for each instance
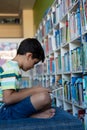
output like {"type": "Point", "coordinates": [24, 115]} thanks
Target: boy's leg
{"type": "Point", "coordinates": [44, 114]}
{"type": "Point", "coordinates": [42, 103]}
{"type": "Point", "coordinates": [38, 105]}
{"type": "Point", "coordinates": [40, 100]}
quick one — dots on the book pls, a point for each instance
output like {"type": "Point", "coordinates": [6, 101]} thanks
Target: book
{"type": "Point", "coordinates": [85, 119]}
{"type": "Point", "coordinates": [79, 58]}
{"type": "Point", "coordinates": [46, 46]}
{"type": "Point", "coordinates": [82, 15]}
{"type": "Point", "coordinates": [81, 115]}
{"type": "Point", "coordinates": [84, 52]}
{"type": "Point", "coordinates": [85, 90]}
{"type": "Point", "coordinates": [78, 22]}
{"type": "Point", "coordinates": [57, 38]}
{"type": "Point", "coordinates": [52, 64]}
{"type": "Point", "coordinates": [52, 82]}
{"type": "Point", "coordinates": [66, 62]}
{"type": "Point", "coordinates": [74, 89]}
{"type": "Point", "coordinates": [85, 13]}
{"type": "Point", "coordinates": [57, 13]}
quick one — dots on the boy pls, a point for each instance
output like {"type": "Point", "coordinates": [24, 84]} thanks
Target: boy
{"type": "Point", "coordinates": [26, 102]}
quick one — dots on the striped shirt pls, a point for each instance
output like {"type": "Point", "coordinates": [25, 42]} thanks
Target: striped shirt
{"type": "Point", "coordinates": [10, 77]}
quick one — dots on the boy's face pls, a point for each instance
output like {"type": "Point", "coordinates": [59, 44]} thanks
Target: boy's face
{"type": "Point", "coordinates": [29, 62]}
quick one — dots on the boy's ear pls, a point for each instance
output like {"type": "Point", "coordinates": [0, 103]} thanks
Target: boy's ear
{"type": "Point", "coordinates": [29, 55]}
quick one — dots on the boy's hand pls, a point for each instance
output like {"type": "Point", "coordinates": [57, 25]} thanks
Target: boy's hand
{"type": "Point", "coordinates": [39, 89]}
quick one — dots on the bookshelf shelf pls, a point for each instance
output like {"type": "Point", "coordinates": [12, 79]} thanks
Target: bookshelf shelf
{"type": "Point", "coordinates": [63, 34]}
{"type": "Point", "coordinates": [74, 6]}
{"type": "Point", "coordinates": [66, 101]}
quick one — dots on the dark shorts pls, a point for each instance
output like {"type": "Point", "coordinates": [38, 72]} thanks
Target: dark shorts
{"type": "Point", "coordinates": [23, 109]}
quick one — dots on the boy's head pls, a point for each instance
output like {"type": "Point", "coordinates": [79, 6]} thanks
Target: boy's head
{"type": "Point", "coordinates": [31, 45]}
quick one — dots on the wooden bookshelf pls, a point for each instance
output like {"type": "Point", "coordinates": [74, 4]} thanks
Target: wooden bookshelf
{"type": "Point", "coordinates": [63, 35]}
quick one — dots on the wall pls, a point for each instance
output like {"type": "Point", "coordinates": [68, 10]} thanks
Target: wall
{"type": "Point", "coordinates": [10, 31]}
{"type": "Point", "coordinates": [31, 20]}
{"type": "Point", "coordinates": [24, 30]}
{"type": "Point", "coordinates": [39, 9]}
{"type": "Point", "coordinates": [28, 28]}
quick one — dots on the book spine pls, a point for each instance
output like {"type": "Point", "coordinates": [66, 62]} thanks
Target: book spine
{"type": "Point", "coordinates": [85, 120]}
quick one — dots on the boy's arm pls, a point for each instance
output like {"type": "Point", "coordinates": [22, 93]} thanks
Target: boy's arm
{"type": "Point", "coordinates": [11, 96]}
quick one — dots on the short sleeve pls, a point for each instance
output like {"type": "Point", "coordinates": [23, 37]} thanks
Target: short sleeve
{"type": "Point", "coordinates": [8, 80]}
{"type": "Point", "coordinates": [10, 76]}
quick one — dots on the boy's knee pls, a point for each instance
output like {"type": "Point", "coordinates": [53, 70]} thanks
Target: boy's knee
{"type": "Point", "coordinates": [40, 100]}
{"type": "Point", "coordinates": [45, 97]}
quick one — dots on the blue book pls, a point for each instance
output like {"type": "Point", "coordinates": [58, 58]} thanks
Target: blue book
{"type": "Point", "coordinates": [84, 45]}
{"type": "Point", "coordinates": [53, 66]}
{"type": "Point", "coordinates": [69, 90]}
{"type": "Point", "coordinates": [73, 88]}
{"type": "Point", "coordinates": [57, 38]}
{"type": "Point", "coordinates": [78, 21]}
{"type": "Point", "coordinates": [79, 90]}
{"type": "Point", "coordinates": [85, 90]}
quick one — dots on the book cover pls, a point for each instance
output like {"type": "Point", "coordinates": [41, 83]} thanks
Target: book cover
{"type": "Point", "coordinates": [82, 15]}
{"type": "Point", "coordinates": [85, 12]}
{"type": "Point", "coordinates": [78, 22]}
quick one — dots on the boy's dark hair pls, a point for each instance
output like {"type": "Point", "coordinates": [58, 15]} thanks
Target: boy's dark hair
{"type": "Point", "coordinates": [33, 46]}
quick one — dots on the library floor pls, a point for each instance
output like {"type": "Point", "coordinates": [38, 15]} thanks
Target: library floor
{"type": "Point", "coordinates": [61, 121]}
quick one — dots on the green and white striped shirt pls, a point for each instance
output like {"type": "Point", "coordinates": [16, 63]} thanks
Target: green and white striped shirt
{"type": "Point", "coordinates": [10, 77]}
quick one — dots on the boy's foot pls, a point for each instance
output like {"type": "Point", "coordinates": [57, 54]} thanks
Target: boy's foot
{"type": "Point", "coordinates": [45, 114]}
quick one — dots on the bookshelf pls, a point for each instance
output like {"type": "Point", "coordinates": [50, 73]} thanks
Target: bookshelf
{"type": "Point", "coordinates": [63, 35]}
